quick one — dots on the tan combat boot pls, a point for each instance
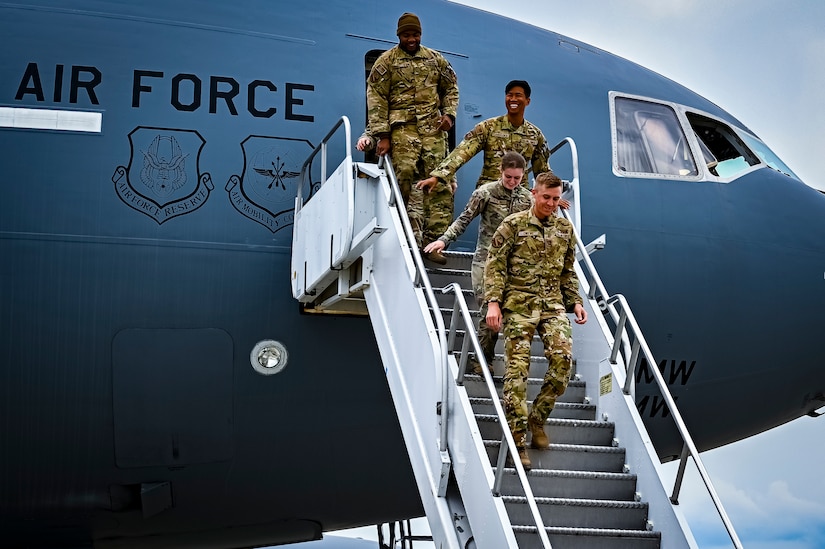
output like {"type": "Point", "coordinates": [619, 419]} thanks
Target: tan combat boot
{"type": "Point", "coordinates": [523, 456]}
{"type": "Point", "coordinates": [539, 439]}
{"type": "Point", "coordinates": [435, 257]}
{"type": "Point", "coordinates": [525, 459]}
{"type": "Point", "coordinates": [475, 366]}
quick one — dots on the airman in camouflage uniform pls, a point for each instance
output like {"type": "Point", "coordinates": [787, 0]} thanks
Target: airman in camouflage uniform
{"type": "Point", "coordinates": [530, 278]}
{"type": "Point", "coordinates": [412, 97]}
{"type": "Point", "coordinates": [496, 136]}
{"type": "Point", "coordinates": [493, 202]}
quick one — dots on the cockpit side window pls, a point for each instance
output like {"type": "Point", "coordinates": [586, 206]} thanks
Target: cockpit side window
{"type": "Point", "coordinates": [728, 154]}
{"type": "Point", "coordinates": [767, 155]}
{"type": "Point", "coordinates": [650, 140]}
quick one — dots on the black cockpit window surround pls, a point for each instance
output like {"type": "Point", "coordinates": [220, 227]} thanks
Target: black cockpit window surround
{"type": "Point", "coordinates": [650, 141]}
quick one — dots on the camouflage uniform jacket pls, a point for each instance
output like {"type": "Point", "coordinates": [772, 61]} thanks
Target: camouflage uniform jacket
{"type": "Point", "coordinates": [493, 202]}
{"type": "Point", "coordinates": [496, 136]}
{"type": "Point", "coordinates": [530, 265]}
{"type": "Point", "coordinates": [404, 88]}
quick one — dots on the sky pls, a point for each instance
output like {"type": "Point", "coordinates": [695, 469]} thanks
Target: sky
{"type": "Point", "coordinates": [761, 60]}
{"type": "Point", "coordinates": [764, 62]}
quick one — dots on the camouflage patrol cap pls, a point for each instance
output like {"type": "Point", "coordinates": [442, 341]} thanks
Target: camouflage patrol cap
{"type": "Point", "coordinates": [408, 22]}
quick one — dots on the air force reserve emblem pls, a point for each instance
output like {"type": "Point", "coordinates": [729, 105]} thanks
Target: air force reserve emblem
{"type": "Point", "coordinates": [265, 190]}
{"type": "Point", "coordinates": [162, 179]}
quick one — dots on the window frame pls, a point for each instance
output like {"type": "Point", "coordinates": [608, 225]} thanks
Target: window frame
{"type": "Point", "coordinates": [693, 141]}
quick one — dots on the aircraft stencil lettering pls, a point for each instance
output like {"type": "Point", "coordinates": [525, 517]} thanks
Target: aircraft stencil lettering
{"type": "Point", "coordinates": [185, 90]}
{"type": "Point", "coordinates": [163, 185]}
{"type": "Point", "coordinates": [658, 406]}
{"type": "Point", "coordinates": [265, 191]}
{"type": "Point", "coordinates": [31, 83]}
{"type": "Point", "coordinates": [678, 373]}
{"type": "Point", "coordinates": [187, 94]}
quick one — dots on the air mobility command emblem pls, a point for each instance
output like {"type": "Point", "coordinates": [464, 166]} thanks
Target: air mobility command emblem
{"type": "Point", "coordinates": [266, 188]}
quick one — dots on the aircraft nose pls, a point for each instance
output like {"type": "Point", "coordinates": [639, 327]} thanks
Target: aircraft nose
{"type": "Point", "coordinates": [771, 285]}
{"type": "Point", "coordinates": [730, 294]}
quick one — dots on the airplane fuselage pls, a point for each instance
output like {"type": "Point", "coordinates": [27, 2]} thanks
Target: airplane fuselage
{"type": "Point", "coordinates": [146, 250]}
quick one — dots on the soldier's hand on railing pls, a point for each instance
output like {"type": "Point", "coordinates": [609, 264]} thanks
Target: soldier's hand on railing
{"type": "Point", "coordinates": [383, 146]}
{"type": "Point", "coordinates": [435, 246]}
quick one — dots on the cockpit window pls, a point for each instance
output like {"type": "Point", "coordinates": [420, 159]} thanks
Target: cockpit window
{"type": "Point", "coordinates": [650, 140]}
{"type": "Point", "coordinates": [728, 154]}
{"type": "Point", "coordinates": [670, 141]}
{"type": "Point", "coordinates": [767, 156]}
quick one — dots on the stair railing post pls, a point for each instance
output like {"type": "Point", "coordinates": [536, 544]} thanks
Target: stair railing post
{"type": "Point", "coordinates": [680, 474]}
{"type": "Point", "coordinates": [617, 336]}
{"type": "Point", "coordinates": [500, 463]}
{"type": "Point", "coordinates": [454, 327]}
{"type": "Point", "coordinates": [630, 369]}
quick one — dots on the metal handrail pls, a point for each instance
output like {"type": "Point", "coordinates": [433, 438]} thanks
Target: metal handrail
{"type": "Point", "coordinates": [508, 444]}
{"type": "Point", "coordinates": [461, 304]}
{"type": "Point", "coordinates": [322, 147]}
{"type": "Point", "coordinates": [306, 177]}
{"type": "Point", "coordinates": [420, 271]}
{"type": "Point", "coordinates": [626, 331]}
{"type": "Point", "coordinates": [574, 183]}
{"type": "Point", "coordinates": [421, 278]}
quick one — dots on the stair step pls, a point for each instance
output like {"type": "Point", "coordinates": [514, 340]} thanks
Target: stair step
{"type": "Point", "coordinates": [444, 276]}
{"type": "Point", "coordinates": [447, 310]}
{"type": "Point", "coordinates": [477, 388]}
{"type": "Point", "coordinates": [553, 483]}
{"type": "Point", "coordinates": [579, 513]}
{"type": "Point", "coordinates": [538, 364]}
{"type": "Point", "coordinates": [462, 261]}
{"type": "Point", "coordinates": [446, 301]}
{"type": "Point", "coordinates": [570, 457]}
{"type": "Point", "coordinates": [560, 431]}
{"type": "Point", "coordinates": [588, 538]}
{"type": "Point", "coordinates": [563, 409]}
{"type": "Point", "coordinates": [536, 346]}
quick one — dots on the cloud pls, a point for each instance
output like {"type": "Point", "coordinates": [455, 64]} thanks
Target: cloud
{"type": "Point", "coordinates": [766, 514]}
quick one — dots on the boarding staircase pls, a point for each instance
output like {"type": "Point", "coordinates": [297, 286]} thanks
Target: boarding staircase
{"type": "Point", "coordinates": [600, 483]}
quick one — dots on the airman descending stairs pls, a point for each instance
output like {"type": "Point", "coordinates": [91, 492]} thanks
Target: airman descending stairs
{"type": "Point", "coordinates": [598, 483]}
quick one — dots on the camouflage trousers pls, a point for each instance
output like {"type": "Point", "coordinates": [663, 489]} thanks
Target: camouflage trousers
{"type": "Point", "coordinates": [487, 337]}
{"type": "Point", "coordinates": [414, 156]}
{"type": "Point", "coordinates": [553, 327]}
